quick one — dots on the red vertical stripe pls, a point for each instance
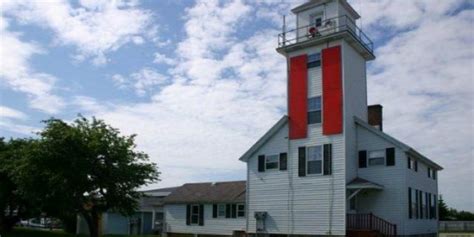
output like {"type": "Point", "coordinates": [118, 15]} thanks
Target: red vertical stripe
{"type": "Point", "coordinates": [332, 90]}
{"type": "Point", "coordinates": [298, 97]}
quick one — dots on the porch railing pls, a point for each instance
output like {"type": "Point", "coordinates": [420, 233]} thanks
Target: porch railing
{"type": "Point", "coordinates": [371, 222]}
{"type": "Point", "coordinates": [328, 27]}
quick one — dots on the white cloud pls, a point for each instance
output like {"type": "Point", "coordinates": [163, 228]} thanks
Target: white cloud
{"type": "Point", "coordinates": [17, 74]}
{"type": "Point", "coordinates": [8, 125]}
{"type": "Point", "coordinates": [143, 81]}
{"type": "Point", "coordinates": [95, 29]}
{"type": "Point", "coordinates": [7, 112]}
{"type": "Point", "coordinates": [423, 76]}
{"type": "Point", "coordinates": [163, 59]}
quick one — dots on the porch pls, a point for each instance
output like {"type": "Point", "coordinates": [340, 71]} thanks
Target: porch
{"type": "Point", "coordinates": [365, 223]}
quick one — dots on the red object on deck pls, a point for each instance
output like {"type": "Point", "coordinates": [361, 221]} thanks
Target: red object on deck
{"type": "Point", "coordinates": [298, 97]}
{"type": "Point", "coordinates": [332, 90]}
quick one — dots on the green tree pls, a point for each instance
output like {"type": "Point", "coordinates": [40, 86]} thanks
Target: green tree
{"type": "Point", "coordinates": [443, 209]}
{"type": "Point", "coordinates": [13, 205]}
{"type": "Point", "coordinates": [86, 167]}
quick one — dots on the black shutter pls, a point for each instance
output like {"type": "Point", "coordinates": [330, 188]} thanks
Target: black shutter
{"type": "Point", "coordinates": [410, 215]}
{"type": "Point", "coordinates": [261, 163]}
{"type": "Point", "coordinates": [188, 214]}
{"type": "Point", "coordinates": [362, 159]}
{"type": "Point", "coordinates": [327, 159]}
{"type": "Point", "coordinates": [201, 214]}
{"type": "Point", "coordinates": [390, 154]}
{"type": "Point", "coordinates": [214, 211]}
{"type": "Point", "coordinates": [302, 161]}
{"type": "Point", "coordinates": [227, 210]}
{"type": "Point", "coordinates": [434, 174]}
{"type": "Point", "coordinates": [283, 161]}
{"type": "Point", "coordinates": [416, 165]}
{"type": "Point", "coordinates": [435, 208]}
{"type": "Point", "coordinates": [234, 210]}
{"type": "Point", "coordinates": [409, 163]}
{"type": "Point", "coordinates": [429, 173]}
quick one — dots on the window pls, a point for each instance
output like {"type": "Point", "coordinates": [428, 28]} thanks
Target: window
{"type": "Point", "coordinates": [314, 60]}
{"type": "Point", "coordinates": [429, 173]}
{"type": "Point", "coordinates": [221, 210]}
{"type": "Point", "coordinates": [240, 210]}
{"type": "Point", "coordinates": [315, 160]}
{"type": "Point", "coordinates": [423, 213]}
{"type": "Point", "coordinates": [412, 164]}
{"type": "Point", "coordinates": [271, 162]}
{"type": "Point", "coordinates": [195, 214]}
{"type": "Point", "coordinates": [314, 110]}
{"type": "Point", "coordinates": [414, 204]}
{"type": "Point", "coordinates": [434, 174]}
{"type": "Point", "coordinates": [376, 157]}
{"type": "Point", "coordinates": [317, 19]}
{"type": "Point", "coordinates": [433, 207]}
{"type": "Point", "coordinates": [426, 206]}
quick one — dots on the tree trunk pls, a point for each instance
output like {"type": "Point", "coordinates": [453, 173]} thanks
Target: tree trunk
{"type": "Point", "coordinates": [92, 220]}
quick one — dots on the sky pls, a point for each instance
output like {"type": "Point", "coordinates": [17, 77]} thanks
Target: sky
{"type": "Point", "coordinates": [200, 81]}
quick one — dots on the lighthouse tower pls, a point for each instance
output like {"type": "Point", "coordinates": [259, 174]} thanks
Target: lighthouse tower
{"type": "Point", "coordinates": [326, 56]}
{"type": "Point", "coordinates": [315, 145]}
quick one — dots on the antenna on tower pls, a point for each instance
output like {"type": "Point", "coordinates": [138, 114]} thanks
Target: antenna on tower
{"type": "Point", "coordinates": [284, 30]}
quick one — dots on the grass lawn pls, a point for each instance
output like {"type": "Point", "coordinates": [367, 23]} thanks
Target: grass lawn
{"type": "Point", "coordinates": [27, 232]}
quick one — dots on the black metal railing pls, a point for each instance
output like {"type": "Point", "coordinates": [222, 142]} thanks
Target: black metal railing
{"type": "Point", "coordinates": [328, 27]}
{"type": "Point", "coordinates": [371, 222]}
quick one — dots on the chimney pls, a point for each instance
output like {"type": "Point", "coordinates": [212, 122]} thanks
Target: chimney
{"type": "Point", "coordinates": [375, 116]}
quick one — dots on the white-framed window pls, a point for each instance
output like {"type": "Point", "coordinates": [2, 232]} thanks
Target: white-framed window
{"type": "Point", "coordinates": [221, 210]}
{"type": "Point", "coordinates": [314, 110]}
{"type": "Point", "coordinates": [240, 210]}
{"type": "Point", "coordinates": [272, 162]}
{"type": "Point", "coordinates": [314, 163]}
{"type": "Point", "coordinates": [376, 158]}
{"type": "Point", "coordinates": [194, 214]}
{"type": "Point", "coordinates": [316, 19]}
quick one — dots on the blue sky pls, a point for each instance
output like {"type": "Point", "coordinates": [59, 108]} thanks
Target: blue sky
{"type": "Point", "coordinates": [199, 82]}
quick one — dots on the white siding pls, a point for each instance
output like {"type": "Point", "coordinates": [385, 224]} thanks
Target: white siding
{"type": "Point", "coordinates": [391, 203]}
{"type": "Point", "coordinates": [419, 180]}
{"type": "Point", "coordinates": [313, 197]}
{"type": "Point", "coordinates": [388, 203]}
{"type": "Point", "coordinates": [268, 191]}
{"type": "Point", "coordinates": [314, 81]}
{"type": "Point", "coordinates": [175, 218]}
{"type": "Point", "coordinates": [312, 205]}
{"type": "Point", "coordinates": [355, 102]}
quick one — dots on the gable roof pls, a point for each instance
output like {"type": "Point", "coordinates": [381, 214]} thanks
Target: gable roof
{"type": "Point", "coordinates": [273, 130]}
{"type": "Point", "coordinates": [360, 183]}
{"type": "Point", "coordinates": [233, 192]}
{"type": "Point", "coordinates": [407, 149]}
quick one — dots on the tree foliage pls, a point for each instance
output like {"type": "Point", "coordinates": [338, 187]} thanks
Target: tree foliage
{"type": "Point", "coordinates": [12, 201]}
{"type": "Point", "coordinates": [451, 214]}
{"type": "Point", "coordinates": [86, 167]}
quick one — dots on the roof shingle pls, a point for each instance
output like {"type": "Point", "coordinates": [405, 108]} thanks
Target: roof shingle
{"type": "Point", "coordinates": [219, 192]}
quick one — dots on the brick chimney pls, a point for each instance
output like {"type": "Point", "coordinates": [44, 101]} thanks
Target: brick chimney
{"type": "Point", "coordinates": [375, 116]}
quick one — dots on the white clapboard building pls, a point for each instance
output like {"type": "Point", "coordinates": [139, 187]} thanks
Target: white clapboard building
{"type": "Point", "coordinates": [327, 168]}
